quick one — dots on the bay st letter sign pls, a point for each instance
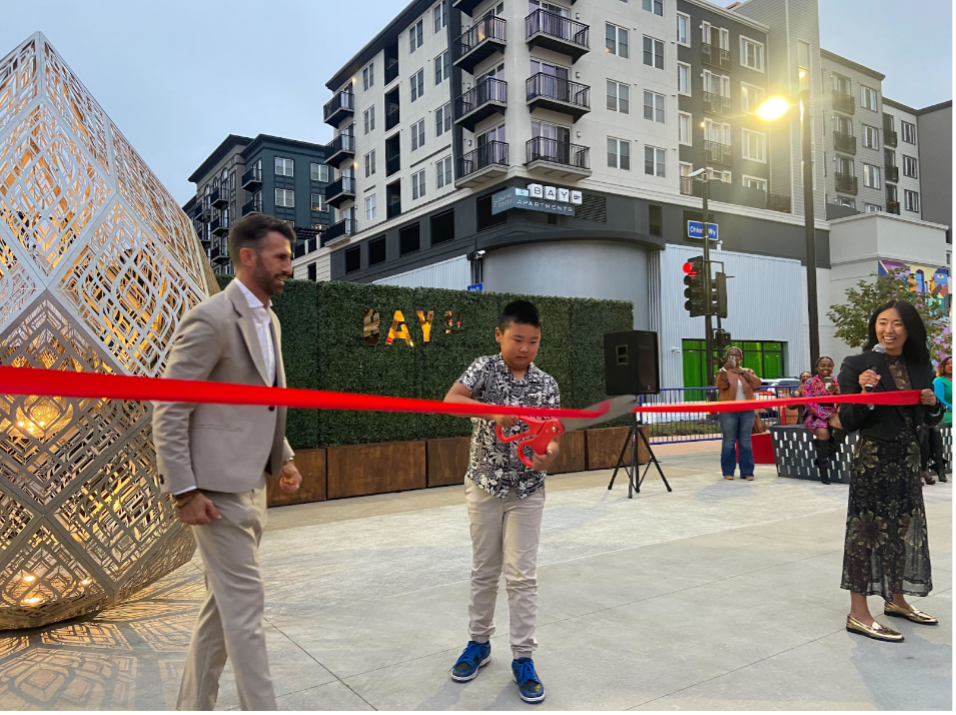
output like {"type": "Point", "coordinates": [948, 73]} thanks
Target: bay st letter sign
{"type": "Point", "coordinates": [547, 199]}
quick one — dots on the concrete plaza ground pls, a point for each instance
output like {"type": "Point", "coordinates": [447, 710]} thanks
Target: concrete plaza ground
{"type": "Point", "coordinates": [718, 596]}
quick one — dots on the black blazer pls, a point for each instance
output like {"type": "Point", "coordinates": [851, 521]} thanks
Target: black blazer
{"type": "Point", "coordinates": [884, 421]}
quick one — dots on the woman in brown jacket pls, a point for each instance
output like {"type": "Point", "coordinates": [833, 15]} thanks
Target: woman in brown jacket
{"type": "Point", "coordinates": [736, 383]}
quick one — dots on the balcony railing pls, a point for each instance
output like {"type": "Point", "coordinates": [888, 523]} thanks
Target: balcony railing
{"type": "Point", "coordinates": [775, 202]}
{"type": "Point", "coordinates": [484, 99]}
{"type": "Point", "coordinates": [393, 164]}
{"type": "Point", "coordinates": [391, 70]}
{"type": "Point", "coordinates": [846, 183]}
{"type": "Point", "coordinates": [716, 103]}
{"type": "Point", "coordinates": [392, 116]}
{"type": "Point", "coordinates": [892, 172]}
{"type": "Point", "coordinates": [719, 153]}
{"type": "Point", "coordinates": [843, 102]}
{"type": "Point", "coordinates": [252, 179]}
{"type": "Point", "coordinates": [218, 199]}
{"type": "Point", "coordinates": [340, 190]}
{"type": "Point", "coordinates": [560, 34]}
{"type": "Point", "coordinates": [394, 208]}
{"type": "Point", "coordinates": [254, 206]}
{"type": "Point", "coordinates": [342, 229]}
{"type": "Point", "coordinates": [545, 91]}
{"type": "Point", "coordinates": [715, 56]}
{"type": "Point", "coordinates": [893, 207]}
{"type": "Point", "coordinates": [201, 213]}
{"type": "Point", "coordinates": [340, 106]}
{"type": "Point", "coordinates": [220, 227]}
{"type": "Point", "coordinates": [890, 138]}
{"type": "Point", "coordinates": [844, 142]}
{"type": "Point", "coordinates": [486, 155]}
{"type": "Point", "coordinates": [304, 248]}
{"type": "Point", "coordinates": [487, 36]}
{"type": "Point", "coordinates": [558, 152]}
{"type": "Point", "coordinates": [340, 149]}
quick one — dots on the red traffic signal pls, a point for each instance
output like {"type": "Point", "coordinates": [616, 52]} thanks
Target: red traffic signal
{"type": "Point", "coordinates": [690, 269]}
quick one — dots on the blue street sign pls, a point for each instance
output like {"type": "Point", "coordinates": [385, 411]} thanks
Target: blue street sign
{"type": "Point", "coordinates": [478, 287]}
{"type": "Point", "coordinates": [695, 229]}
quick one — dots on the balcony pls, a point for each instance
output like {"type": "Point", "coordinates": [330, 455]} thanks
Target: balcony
{"type": "Point", "coordinates": [890, 138]}
{"type": "Point", "coordinates": [393, 116]}
{"type": "Point", "coordinates": [546, 91]}
{"type": "Point", "coordinates": [394, 208]}
{"type": "Point", "coordinates": [253, 206]}
{"type": "Point", "coordinates": [485, 38]}
{"type": "Point", "coordinates": [775, 202]}
{"type": "Point", "coordinates": [489, 96]}
{"type": "Point", "coordinates": [200, 213]}
{"type": "Point", "coordinates": [552, 32]}
{"type": "Point", "coordinates": [719, 153]}
{"type": "Point", "coordinates": [340, 107]}
{"type": "Point", "coordinates": [252, 179]}
{"type": "Point", "coordinates": [844, 142]}
{"type": "Point", "coordinates": [340, 191]}
{"type": "Point", "coordinates": [716, 103]}
{"type": "Point", "coordinates": [304, 248]}
{"type": "Point", "coordinates": [215, 256]}
{"type": "Point", "coordinates": [340, 149]}
{"type": "Point", "coordinates": [893, 207]}
{"type": "Point", "coordinates": [466, 6]}
{"type": "Point", "coordinates": [220, 227]}
{"type": "Point", "coordinates": [344, 229]}
{"type": "Point", "coordinates": [393, 164]}
{"type": "Point", "coordinates": [845, 183]}
{"type": "Point", "coordinates": [218, 199]}
{"type": "Point", "coordinates": [843, 102]}
{"type": "Point", "coordinates": [391, 70]}
{"type": "Point", "coordinates": [484, 164]}
{"type": "Point", "coordinates": [892, 173]}
{"type": "Point", "coordinates": [556, 159]}
{"type": "Point", "coordinates": [715, 56]}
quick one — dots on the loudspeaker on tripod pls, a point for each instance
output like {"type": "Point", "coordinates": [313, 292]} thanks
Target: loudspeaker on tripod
{"type": "Point", "coordinates": [631, 365]}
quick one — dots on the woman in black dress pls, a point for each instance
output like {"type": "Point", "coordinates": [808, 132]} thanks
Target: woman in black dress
{"type": "Point", "coordinates": [886, 551]}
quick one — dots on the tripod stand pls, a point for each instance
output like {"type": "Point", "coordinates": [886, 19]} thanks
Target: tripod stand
{"type": "Point", "coordinates": [633, 482]}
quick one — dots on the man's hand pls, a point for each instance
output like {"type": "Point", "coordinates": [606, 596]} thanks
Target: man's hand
{"type": "Point", "coordinates": [927, 397]}
{"type": "Point", "coordinates": [290, 479]}
{"type": "Point", "coordinates": [506, 421]}
{"type": "Point", "coordinates": [198, 511]}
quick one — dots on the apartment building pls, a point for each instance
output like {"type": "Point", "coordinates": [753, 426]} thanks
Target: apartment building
{"type": "Point", "coordinates": [902, 160]}
{"type": "Point", "coordinates": [282, 177]}
{"type": "Point", "coordinates": [935, 137]}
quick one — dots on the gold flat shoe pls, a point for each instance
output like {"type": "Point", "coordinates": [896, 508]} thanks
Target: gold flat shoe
{"type": "Point", "coordinates": [915, 615]}
{"type": "Point", "coordinates": [876, 631]}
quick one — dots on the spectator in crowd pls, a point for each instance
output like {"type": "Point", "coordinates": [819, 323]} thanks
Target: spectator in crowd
{"type": "Point", "coordinates": [823, 420]}
{"type": "Point", "coordinates": [736, 383]}
{"type": "Point", "coordinates": [931, 438]}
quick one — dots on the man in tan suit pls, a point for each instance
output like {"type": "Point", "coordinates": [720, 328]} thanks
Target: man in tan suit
{"type": "Point", "coordinates": [214, 459]}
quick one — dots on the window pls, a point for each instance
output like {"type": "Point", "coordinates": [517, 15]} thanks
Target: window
{"type": "Point", "coordinates": [370, 163]}
{"type": "Point", "coordinates": [767, 359]}
{"type": "Point", "coordinates": [418, 134]}
{"type": "Point", "coordinates": [618, 154]}
{"type": "Point", "coordinates": [715, 132]}
{"type": "Point", "coordinates": [285, 167]}
{"type": "Point", "coordinates": [311, 269]}
{"type": "Point", "coordinates": [717, 84]}
{"type": "Point", "coordinates": [368, 76]}
{"type": "Point", "coordinates": [909, 132]}
{"type": "Point", "coordinates": [803, 64]}
{"type": "Point", "coordinates": [654, 107]}
{"type": "Point", "coordinates": [319, 172]}
{"type": "Point", "coordinates": [653, 52]}
{"type": "Point", "coordinates": [443, 120]}
{"type": "Point", "coordinates": [751, 54]}
{"type": "Point", "coordinates": [755, 182]}
{"type": "Point", "coordinates": [369, 115]}
{"type": "Point", "coordinates": [285, 197]}
{"type": "Point", "coordinates": [683, 78]}
{"type": "Point", "coordinates": [909, 166]}
{"type": "Point", "coordinates": [911, 200]}
{"type": "Point", "coordinates": [724, 177]}
{"type": "Point", "coordinates": [754, 144]}
{"type": "Point", "coordinates": [868, 97]}
{"type": "Point", "coordinates": [654, 160]}
{"type": "Point", "coordinates": [409, 239]}
{"type": "Point", "coordinates": [443, 227]}
{"type": "Point", "coordinates": [318, 202]}
{"type": "Point", "coordinates": [416, 35]}
{"type": "Point", "coordinates": [654, 6]}
{"type": "Point", "coordinates": [716, 36]}
{"type": "Point", "coordinates": [844, 201]}
{"type": "Point", "coordinates": [440, 13]}
{"type": "Point", "coordinates": [686, 183]}
{"type": "Point", "coordinates": [370, 207]}
{"type": "Point", "coordinates": [683, 29]}
{"type": "Point", "coordinates": [442, 67]}
{"type": "Point", "coordinates": [376, 251]}
{"type": "Point", "coordinates": [871, 176]}
{"type": "Point", "coordinates": [872, 208]}
{"type": "Point", "coordinates": [871, 137]}
{"type": "Point", "coordinates": [684, 124]}
{"type": "Point", "coordinates": [418, 84]}
{"type": "Point", "coordinates": [418, 184]}
{"type": "Point", "coordinates": [750, 98]}
{"type": "Point", "coordinates": [615, 40]}
{"type": "Point", "coordinates": [618, 97]}
{"type": "Point", "coordinates": [353, 259]}
{"type": "Point", "coordinates": [443, 176]}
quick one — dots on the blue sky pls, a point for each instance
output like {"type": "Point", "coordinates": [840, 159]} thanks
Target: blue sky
{"type": "Point", "coordinates": [178, 76]}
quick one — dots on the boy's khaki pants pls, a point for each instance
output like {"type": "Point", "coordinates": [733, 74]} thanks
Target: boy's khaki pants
{"type": "Point", "coordinates": [504, 533]}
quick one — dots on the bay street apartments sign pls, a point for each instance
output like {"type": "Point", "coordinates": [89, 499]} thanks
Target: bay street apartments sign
{"type": "Point", "coordinates": [536, 197]}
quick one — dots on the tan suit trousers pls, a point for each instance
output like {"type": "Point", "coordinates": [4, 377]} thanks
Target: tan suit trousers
{"type": "Point", "coordinates": [230, 621]}
{"type": "Point", "coordinates": [504, 536]}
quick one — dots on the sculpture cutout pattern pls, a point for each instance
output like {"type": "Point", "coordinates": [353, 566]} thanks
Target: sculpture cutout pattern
{"type": "Point", "coordinates": [97, 266]}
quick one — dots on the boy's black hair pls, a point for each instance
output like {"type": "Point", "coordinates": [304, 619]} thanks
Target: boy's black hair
{"type": "Point", "coordinates": [519, 312]}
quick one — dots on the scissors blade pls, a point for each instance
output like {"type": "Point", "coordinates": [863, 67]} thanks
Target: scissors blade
{"type": "Point", "coordinates": [612, 409]}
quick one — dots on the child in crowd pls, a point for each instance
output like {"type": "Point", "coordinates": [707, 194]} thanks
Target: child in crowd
{"type": "Point", "coordinates": [505, 498]}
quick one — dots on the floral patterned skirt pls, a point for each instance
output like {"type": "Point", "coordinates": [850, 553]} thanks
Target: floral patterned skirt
{"type": "Point", "coordinates": [886, 549]}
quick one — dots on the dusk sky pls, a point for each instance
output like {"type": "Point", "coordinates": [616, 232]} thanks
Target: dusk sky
{"type": "Point", "coordinates": [179, 76]}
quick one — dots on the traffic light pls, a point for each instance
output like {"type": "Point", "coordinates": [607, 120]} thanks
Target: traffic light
{"type": "Point", "coordinates": [719, 295]}
{"type": "Point", "coordinates": [722, 341]}
{"type": "Point", "coordinates": [696, 303]}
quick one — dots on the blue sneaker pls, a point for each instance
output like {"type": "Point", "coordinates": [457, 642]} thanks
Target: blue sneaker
{"type": "Point", "coordinates": [529, 685]}
{"type": "Point", "coordinates": [471, 659]}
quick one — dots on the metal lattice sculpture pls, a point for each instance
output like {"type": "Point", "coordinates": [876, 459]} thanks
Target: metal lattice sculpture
{"type": "Point", "coordinates": [97, 266]}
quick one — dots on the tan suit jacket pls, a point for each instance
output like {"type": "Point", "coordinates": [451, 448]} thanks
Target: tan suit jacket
{"type": "Point", "coordinates": [222, 448]}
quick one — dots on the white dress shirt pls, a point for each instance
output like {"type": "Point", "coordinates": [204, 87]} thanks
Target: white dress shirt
{"type": "Point", "coordinates": [263, 321]}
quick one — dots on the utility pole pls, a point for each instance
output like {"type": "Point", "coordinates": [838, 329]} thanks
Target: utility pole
{"type": "Point", "coordinates": [708, 325]}
{"type": "Point", "coordinates": [809, 227]}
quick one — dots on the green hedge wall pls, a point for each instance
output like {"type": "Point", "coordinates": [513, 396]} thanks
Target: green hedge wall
{"type": "Point", "coordinates": [323, 348]}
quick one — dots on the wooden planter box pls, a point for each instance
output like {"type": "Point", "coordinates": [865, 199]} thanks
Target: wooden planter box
{"type": "Point", "coordinates": [571, 456]}
{"type": "Point", "coordinates": [447, 460]}
{"type": "Point", "coordinates": [311, 464]}
{"type": "Point", "coordinates": [604, 447]}
{"type": "Point", "coordinates": [362, 469]}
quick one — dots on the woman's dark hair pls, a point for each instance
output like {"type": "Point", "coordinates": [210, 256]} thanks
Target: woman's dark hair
{"type": "Point", "coordinates": [519, 312]}
{"type": "Point", "coordinates": [250, 230]}
{"type": "Point", "coordinates": [941, 368]}
{"type": "Point", "coordinates": [914, 349]}
{"type": "Point", "coordinates": [821, 359]}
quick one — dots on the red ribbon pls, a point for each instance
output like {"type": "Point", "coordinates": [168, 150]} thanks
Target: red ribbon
{"type": "Point", "coordinates": [905, 397]}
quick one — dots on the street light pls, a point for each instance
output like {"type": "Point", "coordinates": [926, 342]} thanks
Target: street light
{"type": "Point", "coordinates": [771, 110]}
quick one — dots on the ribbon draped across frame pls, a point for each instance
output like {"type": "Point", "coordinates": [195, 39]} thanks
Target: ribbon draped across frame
{"type": "Point", "coordinates": [58, 383]}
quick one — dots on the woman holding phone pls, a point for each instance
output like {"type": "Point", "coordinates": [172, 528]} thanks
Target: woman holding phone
{"type": "Point", "coordinates": [736, 383]}
{"type": "Point", "coordinates": [823, 420]}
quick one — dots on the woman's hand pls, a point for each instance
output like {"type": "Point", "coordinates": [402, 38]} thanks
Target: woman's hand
{"type": "Point", "coordinates": [869, 379]}
{"type": "Point", "coordinates": [927, 397]}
